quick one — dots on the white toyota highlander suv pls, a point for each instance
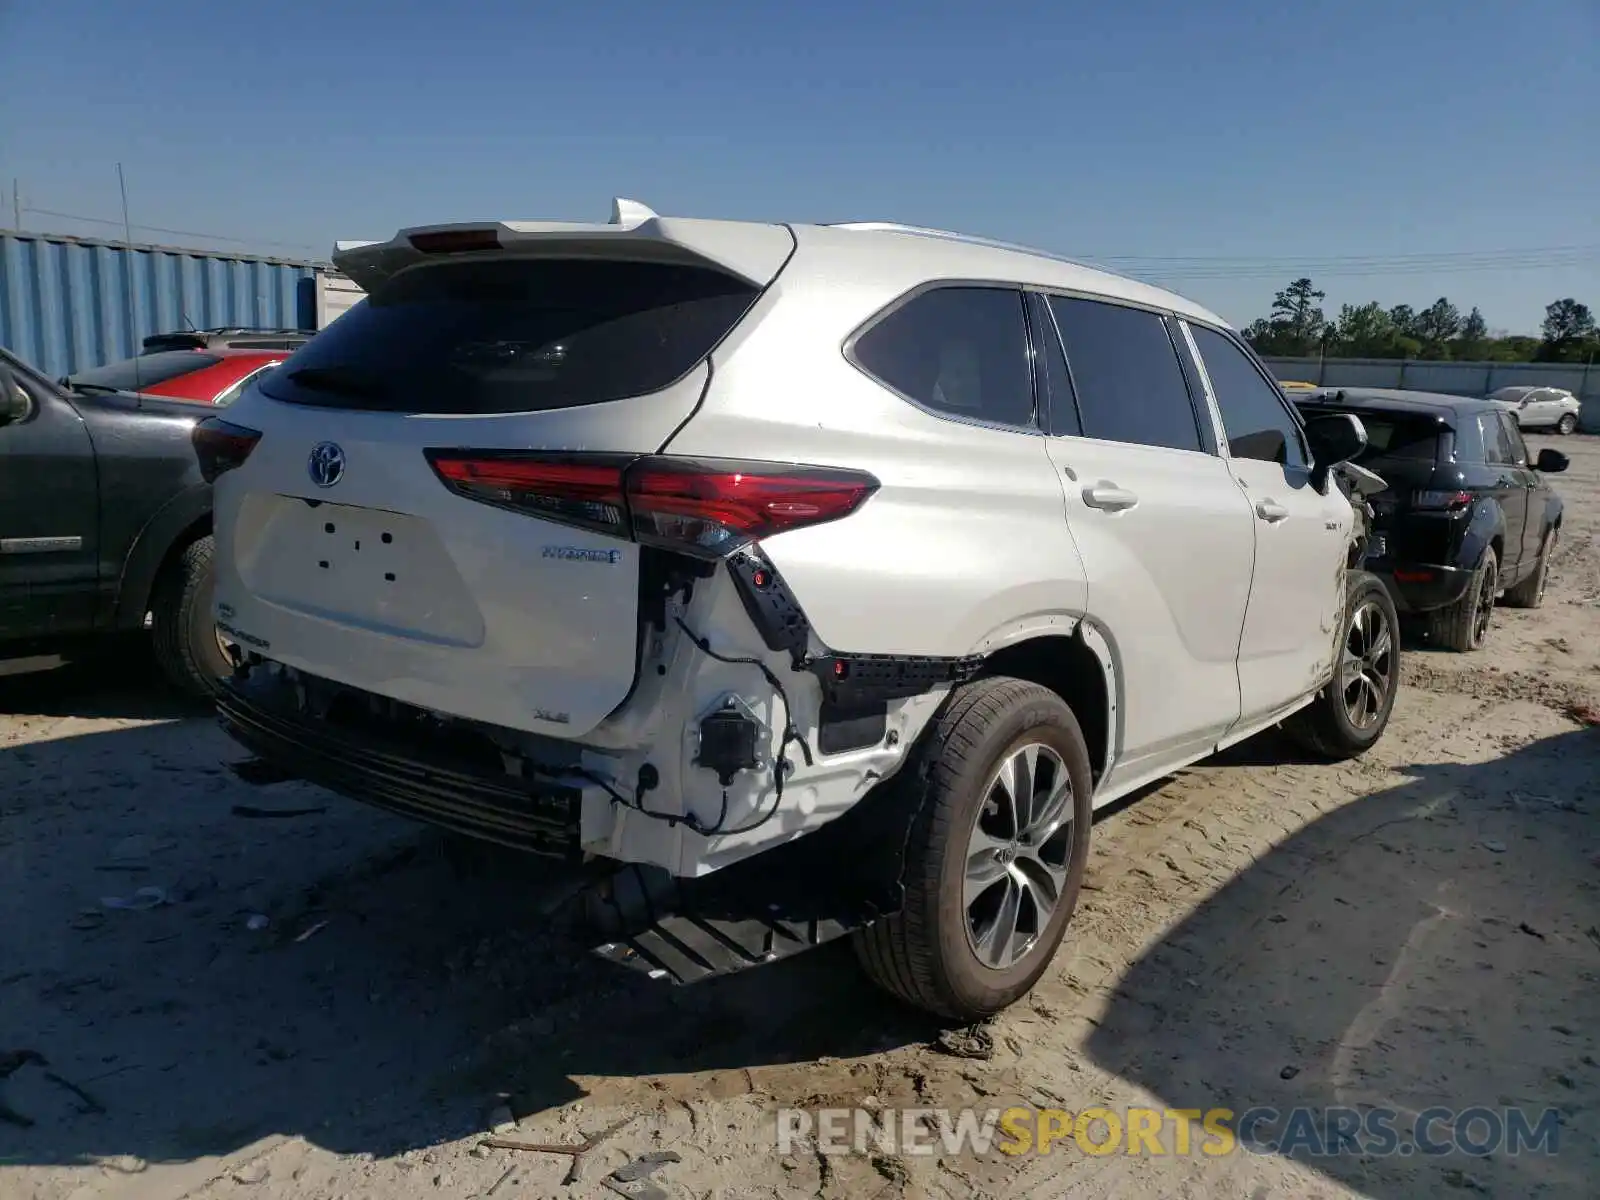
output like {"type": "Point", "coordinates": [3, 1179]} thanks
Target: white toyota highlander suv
{"type": "Point", "coordinates": [859, 564]}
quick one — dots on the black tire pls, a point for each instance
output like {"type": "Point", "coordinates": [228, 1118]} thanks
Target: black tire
{"type": "Point", "coordinates": [1530, 592]}
{"type": "Point", "coordinates": [1369, 631]}
{"type": "Point", "coordinates": [1465, 624]}
{"type": "Point", "coordinates": [924, 953]}
{"type": "Point", "coordinates": [1567, 424]}
{"type": "Point", "coordinates": [183, 629]}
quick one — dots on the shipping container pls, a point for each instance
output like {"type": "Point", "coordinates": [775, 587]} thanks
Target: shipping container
{"type": "Point", "coordinates": [69, 303]}
{"type": "Point", "coordinates": [337, 294]}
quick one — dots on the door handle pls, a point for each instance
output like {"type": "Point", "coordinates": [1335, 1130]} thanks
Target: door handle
{"type": "Point", "coordinates": [1271, 511]}
{"type": "Point", "coordinates": [1109, 497]}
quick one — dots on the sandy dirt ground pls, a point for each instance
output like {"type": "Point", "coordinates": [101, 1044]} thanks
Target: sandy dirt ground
{"type": "Point", "coordinates": [336, 1004]}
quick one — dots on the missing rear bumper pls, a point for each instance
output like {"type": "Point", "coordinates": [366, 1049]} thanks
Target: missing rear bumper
{"type": "Point", "coordinates": [454, 783]}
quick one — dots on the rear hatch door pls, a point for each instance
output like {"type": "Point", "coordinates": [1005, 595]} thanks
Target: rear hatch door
{"type": "Point", "coordinates": [376, 535]}
{"type": "Point", "coordinates": [1406, 449]}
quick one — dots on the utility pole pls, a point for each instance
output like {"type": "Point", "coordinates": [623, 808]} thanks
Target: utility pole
{"type": "Point", "coordinates": [127, 233]}
{"type": "Point", "coordinates": [16, 204]}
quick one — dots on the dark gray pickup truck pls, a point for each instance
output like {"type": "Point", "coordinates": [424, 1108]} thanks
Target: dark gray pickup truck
{"type": "Point", "coordinates": [105, 528]}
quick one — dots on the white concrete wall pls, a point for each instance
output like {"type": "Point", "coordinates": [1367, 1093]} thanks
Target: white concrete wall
{"type": "Point", "coordinates": [1451, 378]}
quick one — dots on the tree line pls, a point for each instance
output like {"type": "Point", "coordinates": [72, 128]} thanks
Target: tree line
{"type": "Point", "coordinates": [1297, 327]}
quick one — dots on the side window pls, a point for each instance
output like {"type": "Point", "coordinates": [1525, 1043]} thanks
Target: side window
{"type": "Point", "coordinates": [29, 397]}
{"type": "Point", "coordinates": [232, 394]}
{"type": "Point", "coordinates": [1496, 446]}
{"type": "Point", "coordinates": [1050, 365]}
{"type": "Point", "coordinates": [1255, 418]}
{"type": "Point", "coordinates": [960, 350]}
{"type": "Point", "coordinates": [237, 390]}
{"type": "Point", "coordinates": [1516, 448]}
{"type": "Point", "coordinates": [17, 407]}
{"type": "Point", "coordinates": [1126, 375]}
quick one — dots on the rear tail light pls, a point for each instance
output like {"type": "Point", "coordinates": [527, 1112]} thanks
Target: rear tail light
{"type": "Point", "coordinates": [705, 507]}
{"type": "Point", "coordinates": [711, 508]}
{"type": "Point", "coordinates": [1442, 500]}
{"type": "Point", "coordinates": [221, 445]}
{"type": "Point", "coordinates": [582, 490]}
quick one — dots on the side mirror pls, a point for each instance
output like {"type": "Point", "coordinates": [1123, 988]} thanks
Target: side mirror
{"type": "Point", "coordinates": [14, 402]}
{"type": "Point", "coordinates": [1335, 438]}
{"type": "Point", "coordinates": [1551, 461]}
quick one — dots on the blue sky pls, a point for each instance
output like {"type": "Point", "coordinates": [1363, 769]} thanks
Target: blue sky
{"type": "Point", "coordinates": [1393, 151]}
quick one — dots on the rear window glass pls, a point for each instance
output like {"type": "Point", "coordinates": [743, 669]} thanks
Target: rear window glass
{"type": "Point", "coordinates": [147, 370]}
{"type": "Point", "coordinates": [1393, 436]}
{"type": "Point", "coordinates": [515, 336]}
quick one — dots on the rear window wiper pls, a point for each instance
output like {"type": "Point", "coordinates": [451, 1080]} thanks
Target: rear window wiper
{"type": "Point", "coordinates": [337, 380]}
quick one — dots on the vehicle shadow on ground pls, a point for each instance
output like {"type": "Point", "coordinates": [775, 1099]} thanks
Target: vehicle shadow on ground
{"type": "Point", "coordinates": [1465, 977]}
{"type": "Point", "coordinates": [117, 680]}
{"type": "Point", "coordinates": [332, 974]}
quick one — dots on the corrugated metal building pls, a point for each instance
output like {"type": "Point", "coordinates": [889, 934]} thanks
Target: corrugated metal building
{"type": "Point", "coordinates": [69, 303]}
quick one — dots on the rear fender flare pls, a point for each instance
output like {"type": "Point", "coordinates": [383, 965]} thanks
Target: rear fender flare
{"type": "Point", "coordinates": [175, 524]}
{"type": "Point", "coordinates": [1095, 637]}
{"type": "Point", "coordinates": [1553, 509]}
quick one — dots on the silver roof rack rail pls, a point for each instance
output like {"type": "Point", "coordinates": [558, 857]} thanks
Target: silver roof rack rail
{"type": "Point", "coordinates": [950, 236]}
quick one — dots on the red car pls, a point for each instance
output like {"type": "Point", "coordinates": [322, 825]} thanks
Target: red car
{"type": "Point", "coordinates": [208, 376]}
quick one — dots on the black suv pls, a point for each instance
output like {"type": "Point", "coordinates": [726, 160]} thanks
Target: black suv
{"type": "Point", "coordinates": [105, 526]}
{"type": "Point", "coordinates": [1466, 515]}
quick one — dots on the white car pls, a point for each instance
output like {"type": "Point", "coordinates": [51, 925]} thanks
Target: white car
{"type": "Point", "coordinates": [683, 544]}
{"type": "Point", "coordinates": [1540, 407]}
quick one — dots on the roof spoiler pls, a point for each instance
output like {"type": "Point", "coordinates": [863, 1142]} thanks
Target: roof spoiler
{"type": "Point", "coordinates": [636, 233]}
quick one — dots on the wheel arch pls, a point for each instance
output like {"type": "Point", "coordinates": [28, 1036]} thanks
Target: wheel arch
{"type": "Point", "coordinates": [175, 526]}
{"type": "Point", "coordinates": [1486, 528]}
{"type": "Point", "coordinates": [1079, 664]}
{"type": "Point", "coordinates": [1554, 510]}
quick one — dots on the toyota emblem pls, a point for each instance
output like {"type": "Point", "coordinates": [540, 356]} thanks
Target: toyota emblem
{"type": "Point", "coordinates": [326, 464]}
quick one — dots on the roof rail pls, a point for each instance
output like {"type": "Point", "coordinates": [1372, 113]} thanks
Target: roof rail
{"type": "Point", "coordinates": [950, 236]}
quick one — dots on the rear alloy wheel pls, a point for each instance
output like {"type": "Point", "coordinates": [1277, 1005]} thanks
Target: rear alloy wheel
{"type": "Point", "coordinates": [1351, 712]}
{"type": "Point", "coordinates": [1465, 624]}
{"type": "Point", "coordinates": [995, 856]}
{"type": "Point", "coordinates": [1567, 424]}
{"type": "Point", "coordinates": [1530, 592]}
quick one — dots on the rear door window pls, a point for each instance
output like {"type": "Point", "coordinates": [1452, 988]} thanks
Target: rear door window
{"type": "Point", "coordinates": [147, 370]}
{"type": "Point", "coordinates": [1496, 446]}
{"type": "Point", "coordinates": [515, 335]}
{"type": "Point", "coordinates": [1516, 449]}
{"type": "Point", "coordinates": [1126, 375]}
{"type": "Point", "coordinates": [1393, 436]}
{"type": "Point", "coordinates": [962, 351]}
{"type": "Point", "coordinates": [1255, 417]}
